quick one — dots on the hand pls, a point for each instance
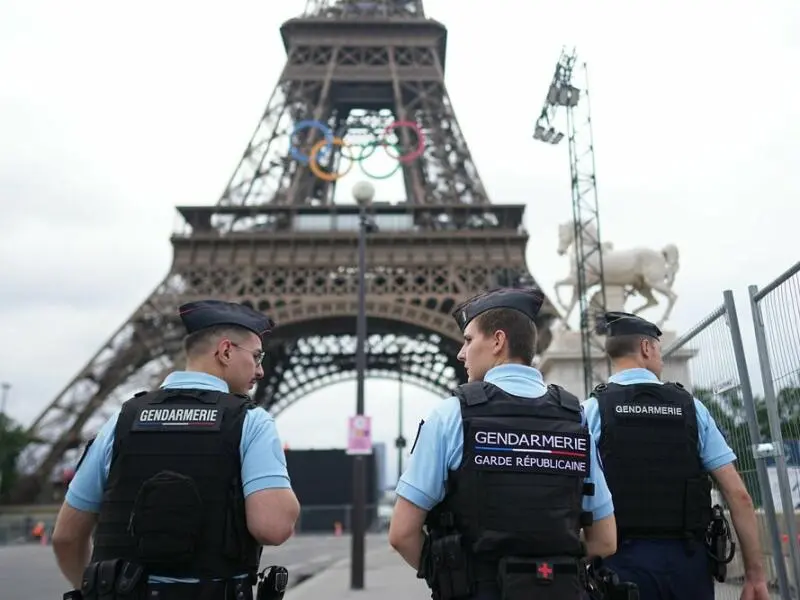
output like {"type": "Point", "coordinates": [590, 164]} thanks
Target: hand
{"type": "Point", "coordinates": [755, 590]}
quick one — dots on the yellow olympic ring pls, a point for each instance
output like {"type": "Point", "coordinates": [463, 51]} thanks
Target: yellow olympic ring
{"type": "Point", "coordinates": [314, 165]}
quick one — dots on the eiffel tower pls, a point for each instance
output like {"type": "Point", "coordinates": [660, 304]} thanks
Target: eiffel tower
{"type": "Point", "coordinates": [276, 240]}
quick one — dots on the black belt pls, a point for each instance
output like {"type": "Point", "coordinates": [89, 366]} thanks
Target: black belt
{"type": "Point", "coordinates": [232, 589]}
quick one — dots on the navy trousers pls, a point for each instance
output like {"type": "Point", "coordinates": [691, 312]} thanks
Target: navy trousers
{"type": "Point", "coordinates": [663, 570]}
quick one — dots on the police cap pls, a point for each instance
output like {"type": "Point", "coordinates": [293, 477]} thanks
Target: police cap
{"type": "Point", "coordinates": [526, 301]}
{"type": "Point", "coordinates": [622, 323]}
{"type": "Point", "coordinates": [208, 313]}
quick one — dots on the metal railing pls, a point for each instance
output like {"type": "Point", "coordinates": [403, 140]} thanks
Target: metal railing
{"type": "Point", "coordinates": [776, 320]}
{"type": "Point", "coordinates": [711, 357]}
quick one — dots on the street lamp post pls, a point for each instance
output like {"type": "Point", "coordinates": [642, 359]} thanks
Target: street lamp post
{"type": "Point", "coordinates": [363, 192]}
{"type": "Point", "coordinates": [400, 442]}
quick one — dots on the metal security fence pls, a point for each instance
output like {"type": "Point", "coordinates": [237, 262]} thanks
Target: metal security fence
{"type": "Point", "coordinates": [776, 319]}
{"type": "Point", "coordinates": [711, 357]}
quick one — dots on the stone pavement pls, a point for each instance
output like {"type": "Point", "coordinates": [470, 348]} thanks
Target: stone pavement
{"type": "Point", "coordinates": [386, 576]}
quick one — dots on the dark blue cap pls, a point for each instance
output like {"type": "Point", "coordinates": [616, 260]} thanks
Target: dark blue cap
{"type": "Point", "coordinates": [208, 313]}
{"type": "Point", "coordinates": [622, 323]}
{"type": "Point", "coordinates": [526, 301]}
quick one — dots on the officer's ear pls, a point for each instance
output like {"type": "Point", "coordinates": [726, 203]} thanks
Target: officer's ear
{"type": "Point", "coordinates": [499, 337]}
{"type": "Point", "coordinates": [647, 347]}
{"type": "Point", "coordinates": [224, 349]}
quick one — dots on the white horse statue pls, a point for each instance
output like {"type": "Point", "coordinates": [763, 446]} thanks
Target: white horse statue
{"type": "Point", "coordinates": [643, 269]}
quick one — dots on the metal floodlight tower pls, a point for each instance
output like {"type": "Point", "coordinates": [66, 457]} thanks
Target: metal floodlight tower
{"type": "Point", "coordinates": [585, 211]}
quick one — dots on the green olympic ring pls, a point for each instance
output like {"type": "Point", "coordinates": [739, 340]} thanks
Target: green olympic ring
{"type": "Point", "coordinates": [366, 150]}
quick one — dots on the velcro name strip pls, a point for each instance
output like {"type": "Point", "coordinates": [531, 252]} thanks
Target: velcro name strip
{"type": "Point", "coordinates": [178, 417]}
{"type": "Point", "coordinates": [649, 411]}
{"type": "Point", "coordinates": [558, 453]}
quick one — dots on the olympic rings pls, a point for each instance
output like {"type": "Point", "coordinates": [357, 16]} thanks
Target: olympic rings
{"type": "Point", "coordinates": [325, 146]}
{"type": "Point", "coordinates": [318, 172]}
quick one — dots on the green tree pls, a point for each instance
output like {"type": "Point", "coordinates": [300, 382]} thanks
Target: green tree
{"type": "Point", "coordinates": [13, 439]}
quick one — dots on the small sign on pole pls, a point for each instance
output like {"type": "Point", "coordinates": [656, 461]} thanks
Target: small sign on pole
{"type": "Point", "coordinates": [359, 436]}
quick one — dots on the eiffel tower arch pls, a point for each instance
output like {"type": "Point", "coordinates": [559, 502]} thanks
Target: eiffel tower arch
{"type": "Point", "coordinates": [277, 241]}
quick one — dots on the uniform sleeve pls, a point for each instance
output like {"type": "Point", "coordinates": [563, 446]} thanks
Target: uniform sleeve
{"type": "Point", "coordinates": [423, 482]}
{"type": "Point", "coordinates": [591, 410]}
{"type": "Point", "coordinates": [714, 450]}
{"type": "Point", "coordinates": [600, 504]}
{"type": "Point", "coordinates": [86, 489]}
{"type": "Point", "coordinates": [263, 459]}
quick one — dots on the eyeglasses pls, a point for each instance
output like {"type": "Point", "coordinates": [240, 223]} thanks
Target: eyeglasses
{"type": "Point", "coordinates": [258, 355]}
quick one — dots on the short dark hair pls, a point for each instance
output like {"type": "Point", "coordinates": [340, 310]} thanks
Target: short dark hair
{"type": "Point", "coordinates": [625, 345]}
{"type": "Point", "coordinates": [519, 329]}
{"type": "Point", "coordinates": [202, 341]}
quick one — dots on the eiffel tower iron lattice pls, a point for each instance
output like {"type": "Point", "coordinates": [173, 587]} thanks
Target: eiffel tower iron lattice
{"type": "Point", "coordinates": [276, 240]}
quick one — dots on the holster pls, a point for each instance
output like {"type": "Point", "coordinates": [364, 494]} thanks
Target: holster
{"type": "Point", "coordinates": [272, 584]}
{"type": "Point", "coordinates": [448, 571]}
{"type": "Point", "coordinates": [719, 545]}
{"type": "Point", "coordinates": [115, 579]}
{"type": "Point", "coordinates": [603, 584]}
{"type": "Point", "coordinates": [529, 578]}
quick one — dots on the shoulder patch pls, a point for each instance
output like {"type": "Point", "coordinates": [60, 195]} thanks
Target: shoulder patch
{"type": "Point", "coordinates": [177, 417]}
{"type": "Point", "coordinates": [518, 450]}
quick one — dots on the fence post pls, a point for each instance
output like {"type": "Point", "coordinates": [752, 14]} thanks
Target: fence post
{"type": "Point", "coordinates": [755, 440]}
{"type": "Point", "coordinates": [787, 504]}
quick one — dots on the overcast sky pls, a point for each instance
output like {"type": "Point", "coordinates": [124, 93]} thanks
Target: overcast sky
{"type": "Point", "coordinates": [113, 114]}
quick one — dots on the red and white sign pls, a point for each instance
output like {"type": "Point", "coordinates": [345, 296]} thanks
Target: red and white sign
{"type": "Point", "coordinates": [359, 435]}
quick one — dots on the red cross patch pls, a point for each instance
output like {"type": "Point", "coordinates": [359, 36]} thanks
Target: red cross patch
{"type": "Point", "coordinates": [544, 571]}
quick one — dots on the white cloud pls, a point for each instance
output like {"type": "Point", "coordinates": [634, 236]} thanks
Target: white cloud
{"type": "Point", "coordinates": [111, 116]}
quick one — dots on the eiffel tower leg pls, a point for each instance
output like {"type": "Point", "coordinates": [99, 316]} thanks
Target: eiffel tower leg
{"type": "Point", "coordinates": [134, 358]}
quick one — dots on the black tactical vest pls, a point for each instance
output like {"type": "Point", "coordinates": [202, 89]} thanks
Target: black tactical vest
{"type": "Point", "coordinates": [173, 502]}
{"type": "Point", "coordinates": [648, 446]}
{"type": "Point", "coordinates": [519, 488]}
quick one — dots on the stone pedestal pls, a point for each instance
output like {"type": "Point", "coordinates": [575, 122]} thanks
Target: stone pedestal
{"type": "Point", "coordinates": [563, 362]}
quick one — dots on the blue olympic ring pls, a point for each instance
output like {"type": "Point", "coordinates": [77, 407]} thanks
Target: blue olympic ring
{"type": "Point", "coordinates": [301, 125]}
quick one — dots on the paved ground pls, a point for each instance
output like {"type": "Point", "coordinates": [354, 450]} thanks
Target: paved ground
{"type": "Point", "coordinates": [30, 571]}
{"type": "Point", "coordinates": [386, 577]}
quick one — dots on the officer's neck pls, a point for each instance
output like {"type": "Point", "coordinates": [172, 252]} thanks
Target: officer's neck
{"type": "Point", "coordinates": [199, 365]}
{"type": "Point", "coordinates": [626, 362]}
{"type": "Point", "coordinates": [509, 361]}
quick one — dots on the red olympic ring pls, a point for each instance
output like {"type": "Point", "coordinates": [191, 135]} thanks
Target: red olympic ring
{"type": "Point", "coordinates": [406, 158]}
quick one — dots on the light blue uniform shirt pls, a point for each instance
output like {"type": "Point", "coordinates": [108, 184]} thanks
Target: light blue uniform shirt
{"type": "Point", "coordinates": [711, 445]}
{"type": "Point", "coordinates": [261, 451]}
{"type": "Point", "coordinates": [440, 446]}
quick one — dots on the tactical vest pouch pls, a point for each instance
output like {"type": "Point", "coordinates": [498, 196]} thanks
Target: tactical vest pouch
{"type": "Point", "coordinates": [452, 573]}
{"type": "Point", "coordinates": [557, 578]}
{"type": "Point", "coordinates": [113, 580]}
{"type": "Point", "coordinates": [167, 520]}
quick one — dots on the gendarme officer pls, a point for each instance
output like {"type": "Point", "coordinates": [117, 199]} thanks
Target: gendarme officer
{"type": "Point", "coordinates": [657, 445]}
{"type": "Point", "coordinates": [504, 474]}
{"type": "Point", "coordinates": [165, 479]}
